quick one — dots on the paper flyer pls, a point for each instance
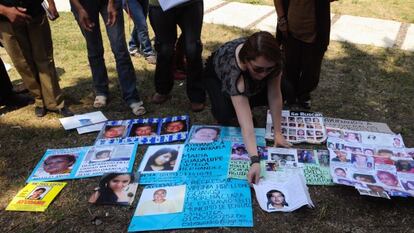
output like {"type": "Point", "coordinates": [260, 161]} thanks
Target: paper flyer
{"type": "Point", "coordinates": [35, 196]}
{"type": "Point", "coordinates": [198, 204]}
{"type": "Point", "coordinates": [144, 131]}
{"type": "Point", "coordinates": [90, 128]}
{"type": "Point", "coordinates": [82, 162]}
{"type": "Point", "coordinates": [82, 120]}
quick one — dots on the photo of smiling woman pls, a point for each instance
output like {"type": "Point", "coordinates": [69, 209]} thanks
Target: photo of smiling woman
{"type": "Point", "coordinates": [113, 189]}
{"type": "Point", "coordinates": [275, 200]}
{"type": "Point", "coordinates": [163, 159]}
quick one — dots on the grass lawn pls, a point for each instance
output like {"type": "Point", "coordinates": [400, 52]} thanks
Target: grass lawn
{"type": "Point", "coordinates": [357, 82]}
{"type": "Point", "coordinates": [398, 10]}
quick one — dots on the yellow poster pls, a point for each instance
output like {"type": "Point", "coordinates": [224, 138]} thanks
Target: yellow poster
{"type": "Point", "coordinates": [36, 196]}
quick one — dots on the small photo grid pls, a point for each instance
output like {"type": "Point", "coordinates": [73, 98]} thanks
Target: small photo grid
{"type": "Point", "coordinates": [301, 129]}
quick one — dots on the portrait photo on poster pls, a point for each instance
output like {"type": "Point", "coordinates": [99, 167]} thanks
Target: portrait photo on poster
{"type": "Point", "coordinates": [143, 129]}
{"type": "Point", "coordinates": [205, 134]}
{"type": "Point", "coordinates": [115, 189]}
{"type": "Point", "coordinates": [161, 158]}
{"type": "Point", "coordinates": [161, 200]}
{"type": "Point", "coordinates": [172, 127]}
{"type": "Point", "coordinates": [57, 164]}
{"type": "Point", "coordinates": [38, 193]}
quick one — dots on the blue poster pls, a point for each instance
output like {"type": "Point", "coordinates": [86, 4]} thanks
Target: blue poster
{"type": "Point", "coordinates": [144, 131]}
{"type": "Point", "coordinates": [197, 204]}
{"type": "Point", "coordinates": [179, 163]}
{"type": "Point", "coordinates": [82, 162]}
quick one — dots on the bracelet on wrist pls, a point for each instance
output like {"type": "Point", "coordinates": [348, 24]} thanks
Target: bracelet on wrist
{"type": "Point", "coordinates": [254, 159]}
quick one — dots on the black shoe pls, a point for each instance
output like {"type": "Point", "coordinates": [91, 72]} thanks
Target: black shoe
{"type": "Point", "coordinates": [18, 100]}
{"type": "Point", "coordinates": [40, 112]}
{"type": "Point", "coordinates": [306, 104]}
{"type": "Point", "coordinates": [65, 112]}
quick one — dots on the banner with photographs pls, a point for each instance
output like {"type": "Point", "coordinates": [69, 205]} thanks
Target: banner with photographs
{"type": "Point", "coordinates": [283, 195]}
{"type": "Point", "coordinates": [197, 204]}
{"type": "Point", "coordinates": [376, 127]}
{"type": "Point", "coordinates": [314, 164]}
{"type": "Point", "coordinates": [239, 159]}
{"type": "Point", "coordinates": [82, 162]}
{"type": "Point", "coordinates": [374, 163]}
{"type": "Point", "coordinates": [144, 131]}
{"type": "Point", "coordinates": [299, 127]}
{"type": "Point", "coordinates": [35, 196]}
{"type": "Point", "coordinates": [179, 163]}
{"type": "Point", "coordinates": [115, 189]}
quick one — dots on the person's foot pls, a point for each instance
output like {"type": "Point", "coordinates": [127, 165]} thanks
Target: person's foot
{"type": "Point", "coordinates": [159, 99]}
{"type": "Point", "coordinates": [133, 52]}
{"type": "Point", "coordinates": [65, 112]}
{"type": "Point", "coordinates": [197, 107]}
{"type": "Point", "coordinates": [100, 101]}
{"type": "Point", "coordinates": [40, 111]}
{"type": "Point", "coordinates": [306, 104]}
{"type": "Point", "coordinates": [138, 108]}
{"type": "Point", "coordinates": [151, 59]}
{"type": "Point", "coordinates": [17, 100]}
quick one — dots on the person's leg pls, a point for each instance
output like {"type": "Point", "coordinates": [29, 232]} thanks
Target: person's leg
{"type": "Point", "coordinates": [137, 11]}
{"type": "Point", "coordinates": [291, 79]}
{"type": "Point", "coordinates": [190, 20]}
{"type": "Point", "coordinates": [165, 31]}
{"type": "Point", "coordinates": [42, 50]}
{"type": "Point", "coordinates": [124, 67]}
{"type": "Point", "coordinates": [95, 48]}
{"type": "Point", "coordinates": [311, 69]}
{"type": "Point", "coordinates": [15, 40]}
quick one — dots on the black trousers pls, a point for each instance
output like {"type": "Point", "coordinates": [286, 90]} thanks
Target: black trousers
{"type": "Point", "coordinates": [6, 87]}
{"type": "Point", "coordinates": [189, 18]}
{"type": "Point", "coordinates": [221, 106]}
{"type": "Point", "coordinates": [303, 67]}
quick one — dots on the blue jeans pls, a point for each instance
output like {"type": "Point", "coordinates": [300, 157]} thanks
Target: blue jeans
{"type": "Point", "coordinates": [138, 10]}
{"type": "Point", "coordinates": [116, 35]}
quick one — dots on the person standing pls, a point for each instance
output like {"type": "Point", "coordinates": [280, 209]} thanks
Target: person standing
{"type": "Point", "coordinates": [303, 28]}
{"type": "Point", "coordinates": [87, 14]}
{"type": "Point", "coordinates": [26, 36]}
{"type": "Point", "coordinates": [140, 41]}
{"type": "Point", "coordinates": [189, 17]}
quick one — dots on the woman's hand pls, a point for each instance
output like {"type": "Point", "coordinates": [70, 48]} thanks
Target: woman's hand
{"type": "Point", "coordinates": [281, 141]}
{"type": "Point", "coordinates": [253, 175]}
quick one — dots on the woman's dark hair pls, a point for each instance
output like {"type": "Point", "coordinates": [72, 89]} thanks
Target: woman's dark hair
{"type": "Point", "coordinates": [261, 44]}
{"type": "Point", "coordinates": [106, 194]}
{"type": "Point", "coordinates": [99, 153]}
{"type": "Point", "coordinates": [43, 189]}
{"type": "Point", "coordinates": [151, 160]}
{"type": "Point", "coordinates": [269, 195]}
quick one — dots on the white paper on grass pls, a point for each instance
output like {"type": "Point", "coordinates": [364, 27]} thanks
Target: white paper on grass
{"type": "Point", "coordinates": [168, 4]}
{"type": "Point", "coordinates": [82, 120]}
{"type": "Point", "coordinates": [90, 128]}
{"type": "Point", "coordinates": [294, 190]}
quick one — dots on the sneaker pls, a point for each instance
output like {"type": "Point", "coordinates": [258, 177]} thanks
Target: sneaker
{"type": "Point", "coordinates": [100, 101]}
{"type": "Point", "coordinates": [138, 108]}
{"type": "Point", "coordinates": [65, 112]}
{"type": "Point", "coordinates": [40, 111]}
{"type": "Point", "coordinates": [151, 59]}
{"type": "Point", "coordinates": [133, 52]}
{"type": "Point", "coordinates": [197, 107]}
{"type": "Point", "coordinates": [159, 99]}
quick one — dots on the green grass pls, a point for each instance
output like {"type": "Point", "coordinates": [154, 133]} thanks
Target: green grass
{"type": "Point", "coordinates": [357, 82]}
{"type": "Point", "coordinates": [398, 10]}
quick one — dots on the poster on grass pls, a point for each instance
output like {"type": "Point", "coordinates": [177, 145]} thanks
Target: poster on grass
{"type": "Point", "coordinates": [35, 196]}
{"type": "Point", "coordinates": [144, 131]}
{"type": "Point", "coordinates": [82, 162]}
{"type": "Point", "coordinates": [198, 204]}
{"type": "Point", "coordinates": [179, 163]}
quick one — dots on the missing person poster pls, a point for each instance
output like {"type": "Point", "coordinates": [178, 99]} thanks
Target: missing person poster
{"type": "Point", "coordinates": [197, 204]}
{"type": "Point", "coordinates": [144, 131]}
{"type": "Point", "coordinates": [178, 163]}
{"type": "Point", "coordinates": [82, 162]}
{"type": "Point", "coordinates": [36, 196]}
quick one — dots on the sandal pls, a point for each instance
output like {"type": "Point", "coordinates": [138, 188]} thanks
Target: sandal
{"type": "Point", "coordinates": [100, 101]}
{"type": "Point", "coordinates": [138, 108]}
